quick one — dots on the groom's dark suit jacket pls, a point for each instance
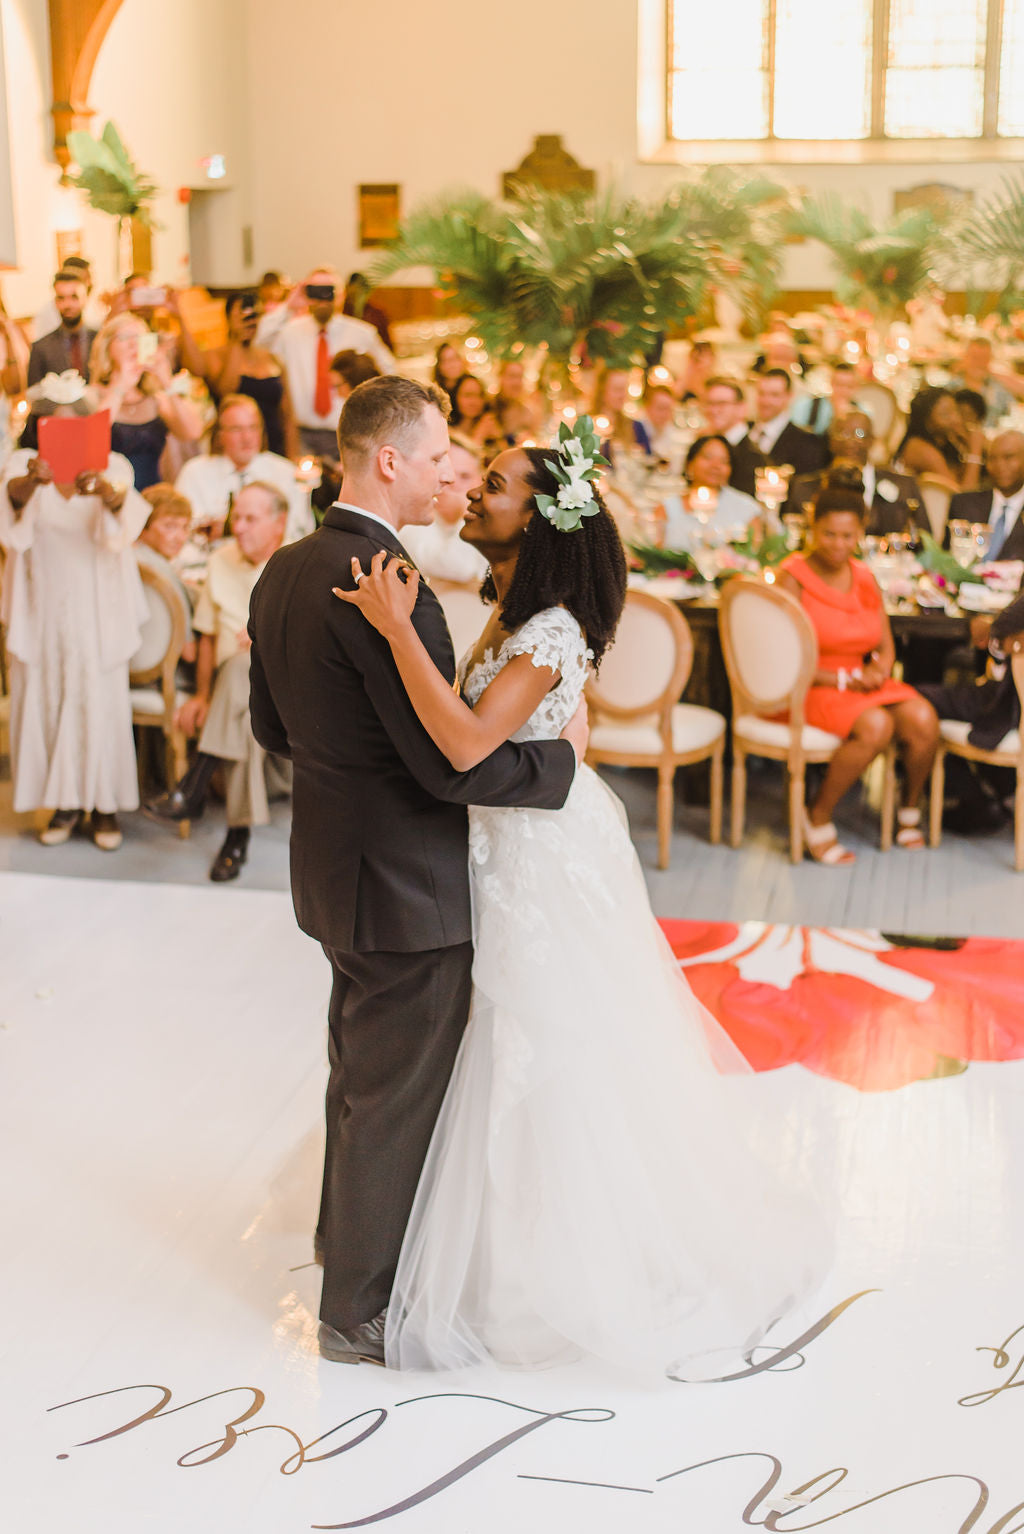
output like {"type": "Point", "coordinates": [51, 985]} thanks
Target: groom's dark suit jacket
{"type": "Point", "coordinates": [379, 826]}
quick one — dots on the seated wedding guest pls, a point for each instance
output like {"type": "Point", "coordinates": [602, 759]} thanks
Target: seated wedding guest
{"type": "Point", "coordinates": [611, 391]}
{"type": "Point", "coordinates": [992, 709]}
{"type": "Point", "coordinates": [68, 346]}
{"type": "Point", "coordinates": [136, 389]}
{"type": "Point", "coordinates": [725, 411]}
{"type": "Point", "coordinates": [773, 433]}
{"type": "Point", "coordinates": [972, 405]}
{"type": "Point", "coordinates": [1001, 506]}
{"type": "Point", "coordinates": [701, 364]}
{"type": "Point", "coordinates": [271, 292]}
{"type": "Point", "coordinates": [516, 415]}
{"type": "Point", "coordinates": [72, 611]}
{"type": "Point", "coordinates": [219, 712]}
{"type": "Point", "coordinates": [999, 387]}
{"type": "Point", "coordinates": [304, 334]}
{"type": "Point", "coordinates": [357, 291]}
{"type": "Point", "coordinates": [816, 412]}
{"type": "Point", "coordinates": [710, 502]}
{"type": "Point", "coordinates": [853, 693]}
{"type": "Point", "coordinates": [349, 369]}
{"type": "Point", "coordinates": [213, 481]}
{"type": "Point", "coordinates": [892, 501]}
{"type": "Point", "coordinates": [438, 551]}
{"type": "Point", "coordinates": [160, 543]}
{"type": "Point", "coordinates": [779, 352]}
{"type": "Point", "coordinates": [471, 412]}
{"type": "Point", "coordinates": [449, 367]}
{"type": "Point", "coordinates": [936, 440]}
{"type": "Point", "coordinates": [243, 367]}
{"type": "Point", "coordinates": [667, 441]}
{"type": "Point", "coordinates": [94, 312]}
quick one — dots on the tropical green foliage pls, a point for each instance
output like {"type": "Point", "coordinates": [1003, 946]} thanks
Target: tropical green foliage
{"type": "Point", "coordinates": [109, 177]}
{"type": "Point", "coordinates": [596, 272]}
{"type": "Point", "coordinates": [938, 561]}
{"type": "Point", "coordinates": [881, 266]}
{"type": "Point", "coordinates": [990, 244]}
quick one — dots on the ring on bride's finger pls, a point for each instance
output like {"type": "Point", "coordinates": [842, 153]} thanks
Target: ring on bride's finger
{"type": "Point", "coordinates": [359, 575]}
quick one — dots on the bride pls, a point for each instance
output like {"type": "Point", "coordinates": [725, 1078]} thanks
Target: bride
{"type": "Point", "coordinates": [588, 1188]}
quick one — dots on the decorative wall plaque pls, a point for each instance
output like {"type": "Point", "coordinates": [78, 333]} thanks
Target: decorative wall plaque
{"type": "Point", "coordinates": [379, 213]}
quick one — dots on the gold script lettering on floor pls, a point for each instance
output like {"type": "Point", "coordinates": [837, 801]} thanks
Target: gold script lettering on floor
{"type": "Point", "coordinates": [161, 1076]}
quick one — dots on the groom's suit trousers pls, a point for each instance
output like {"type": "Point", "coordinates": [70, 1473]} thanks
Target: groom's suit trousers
{"type": "Point", "coordinates": [396, 1021]}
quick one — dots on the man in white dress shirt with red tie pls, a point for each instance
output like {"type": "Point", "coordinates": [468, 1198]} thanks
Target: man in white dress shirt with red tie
{"type": "Point", "coordinates": [305, 344]}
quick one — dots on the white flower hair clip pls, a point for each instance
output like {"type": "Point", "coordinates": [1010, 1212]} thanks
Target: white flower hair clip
{"type": "Point", "coordinates": [575, 468]}
{"type": "Point", "coordinates": [65, 388]}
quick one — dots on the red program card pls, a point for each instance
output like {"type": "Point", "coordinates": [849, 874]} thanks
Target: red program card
{"type": "Point", "coordinates": [71, 443]}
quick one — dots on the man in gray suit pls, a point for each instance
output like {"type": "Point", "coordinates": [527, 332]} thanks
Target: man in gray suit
{"type": "Point", "coordinates": [69, 345]}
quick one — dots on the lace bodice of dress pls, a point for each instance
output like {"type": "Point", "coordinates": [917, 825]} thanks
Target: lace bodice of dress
{"type": "Point", "coordinates": [553, 638]}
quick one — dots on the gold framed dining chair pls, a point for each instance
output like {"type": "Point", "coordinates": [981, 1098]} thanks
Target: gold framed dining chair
{"type": "Point", "coordinates": [771, 654]}
{"type": "Point", "coordinates": [882, 406]}
{"type": "Point", "coordinates": [953, 741]}
{"type": "Point", "coordinates": [636, 717]}
{"type": "Point", "coordinates": [936, 492]}
{"type": "Point", "coordinates": [151, 673]}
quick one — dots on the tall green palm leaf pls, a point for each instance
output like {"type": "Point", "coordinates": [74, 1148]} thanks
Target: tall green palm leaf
{"type": "Point", "coordinates": [882, 266]}
{"type": "Point", "coordinates": [990, 243]}
{"type": "Point", "coordinates": [109, 177]}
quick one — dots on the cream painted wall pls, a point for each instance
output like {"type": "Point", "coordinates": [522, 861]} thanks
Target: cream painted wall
{"type": "Point", "coordinates": [173, 79]}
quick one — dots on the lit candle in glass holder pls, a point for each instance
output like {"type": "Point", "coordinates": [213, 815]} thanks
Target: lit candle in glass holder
{"type": "Point", "coordinates": [603, 424]}
{"type": "Point", "coordinates": [21, 411]}
{"type": "Point", "coordinates": [308, 473]}
{"type": "Point", "coordinates": [703, 501]}
{"type": "Point", "coordinates": [569, 414]}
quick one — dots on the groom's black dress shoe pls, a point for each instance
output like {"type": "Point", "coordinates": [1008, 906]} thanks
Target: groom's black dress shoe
{"type": "Point", "coordinates": [228, 862]}
{"type": "Point", "coordinates": [362, 1344]}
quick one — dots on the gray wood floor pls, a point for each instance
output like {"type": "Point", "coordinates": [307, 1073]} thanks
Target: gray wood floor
{"type": "Point", "coordinates": [966, 886]}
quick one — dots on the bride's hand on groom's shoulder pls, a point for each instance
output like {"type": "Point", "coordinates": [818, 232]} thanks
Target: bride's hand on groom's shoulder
{"type": "Point", "coordinates": [577, 731]}
{"type": "Point", "coordinates": [385, 595]}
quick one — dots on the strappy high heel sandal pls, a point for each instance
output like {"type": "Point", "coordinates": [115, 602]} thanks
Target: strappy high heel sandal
{"type": "Point", "coordinates": [910, 835]}
{"type": "Point", "coordinates": [823, 845]}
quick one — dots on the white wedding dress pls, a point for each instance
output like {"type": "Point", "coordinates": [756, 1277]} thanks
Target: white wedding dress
{"type": "Point", "coordinates": [588, 1189]}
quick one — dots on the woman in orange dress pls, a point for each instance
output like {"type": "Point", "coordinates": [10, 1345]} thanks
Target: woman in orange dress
{"type": "Point", "coordinates": [853, 693]}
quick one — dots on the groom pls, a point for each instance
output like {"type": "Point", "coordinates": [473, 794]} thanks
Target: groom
{"type": "Point", "coordinates": [379, 854]}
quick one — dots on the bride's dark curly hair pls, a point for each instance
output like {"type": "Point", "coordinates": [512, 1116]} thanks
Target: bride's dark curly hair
{"type": "Point", "coordinates": [584, 571]}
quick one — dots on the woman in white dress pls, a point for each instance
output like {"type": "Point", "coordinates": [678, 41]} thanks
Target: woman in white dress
{"type": "Point", "coordinates": [587, 1189]}
{"type": "Point", "coordinates": [72, 606]}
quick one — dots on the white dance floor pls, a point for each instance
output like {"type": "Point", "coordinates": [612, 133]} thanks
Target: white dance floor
{"type": "Point", "coordinates": [163, 1062]}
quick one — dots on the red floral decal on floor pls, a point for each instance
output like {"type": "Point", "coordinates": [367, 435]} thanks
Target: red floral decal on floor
{"type": "Point", "coordinates": [873, 1012]}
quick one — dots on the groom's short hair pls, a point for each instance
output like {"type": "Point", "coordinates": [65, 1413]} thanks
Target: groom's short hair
{"type": "Point", "coordinates": [385, 412]}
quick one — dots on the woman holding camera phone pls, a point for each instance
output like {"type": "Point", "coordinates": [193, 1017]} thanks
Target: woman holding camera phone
{"type": "Point", "coordinates": [244, 367]}
{"type": "Point", "coordinates": [131, 372]}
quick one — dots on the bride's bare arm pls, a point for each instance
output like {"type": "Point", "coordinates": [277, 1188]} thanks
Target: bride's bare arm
{"type": "Point", "coordinates": [465, 735]}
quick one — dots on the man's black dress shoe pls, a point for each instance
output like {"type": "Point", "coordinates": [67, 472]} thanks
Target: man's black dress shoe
{"type": "Point", "coordinates": [187, 799]}
{"type": "Point", "coordinates": [228, 862]}
{"type": "Point", "coordinates": [362, 1344]}
{"type": "Point", "coordinates": [174, 806]}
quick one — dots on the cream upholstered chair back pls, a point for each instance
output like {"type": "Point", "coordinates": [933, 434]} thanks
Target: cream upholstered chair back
{"type": "Point", "coordinates": [770, 648]}
{"type": "Point", "coordinates": [936, 492]}
{"type": "Point", "coordinates": [163, 632]}
{"type": "Point", "coordinates": [648, 664]}
{"type": "Point", "coordinates": [464, 611]}
{"type": "Point", "coordinates": [882, 406]}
